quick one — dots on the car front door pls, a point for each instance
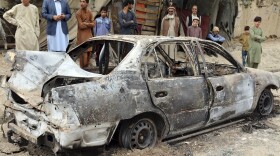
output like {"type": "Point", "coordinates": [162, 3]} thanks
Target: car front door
{"type": "Point", "coordinates": [177, 88]}
{"type": "Point", "coordinates": [233, 88]}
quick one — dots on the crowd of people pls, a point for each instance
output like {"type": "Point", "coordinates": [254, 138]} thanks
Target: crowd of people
{"type": "Point", "coordinates": [25, 17]}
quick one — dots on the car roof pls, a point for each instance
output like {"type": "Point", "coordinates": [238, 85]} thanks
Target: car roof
{"type": "Point", "coordinates": [135, 38]}
{"type": "Point", "coordinates": [145, 40]}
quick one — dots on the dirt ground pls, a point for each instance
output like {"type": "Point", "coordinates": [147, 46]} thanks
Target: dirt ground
{"type": "Point", "coordinates": [264, 139]}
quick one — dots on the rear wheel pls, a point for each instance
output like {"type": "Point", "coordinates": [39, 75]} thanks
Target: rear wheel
{"type": "Point", "coordinates": [138, 135]}
{"type": "Point", "coordinates": [265, 103]}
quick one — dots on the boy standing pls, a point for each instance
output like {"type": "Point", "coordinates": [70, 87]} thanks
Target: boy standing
{"type": "Point", "coordinates": [102, 27]}
{"type": "Point", "coordinates": [102, 23]}
{"type": "Point", "coordinates": [194, 30]}
{"type": "Point", "coordinates": [244, 40]}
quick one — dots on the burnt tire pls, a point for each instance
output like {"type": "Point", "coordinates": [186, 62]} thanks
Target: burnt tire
{"type": "Point", "coordinates": [265, 103]}
{"type": "Point", "coordinates": [139, 134]}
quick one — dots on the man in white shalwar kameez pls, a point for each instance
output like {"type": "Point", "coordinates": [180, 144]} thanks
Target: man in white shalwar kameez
{"type": "Point", "coordinates": [26, 17]}
{"type": "Point", "coordinates": [59, 41]}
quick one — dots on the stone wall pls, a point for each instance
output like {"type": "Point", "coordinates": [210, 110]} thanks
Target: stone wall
{"type": "Point", "coordinates": [269, 10]}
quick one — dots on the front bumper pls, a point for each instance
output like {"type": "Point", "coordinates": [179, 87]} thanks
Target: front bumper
{"type": "Point", "coordinates": [41, 132]}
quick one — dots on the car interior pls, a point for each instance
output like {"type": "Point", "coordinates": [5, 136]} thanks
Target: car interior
{"type": "Point", "coordinates": [167, 60]}
{"type": "Point", "coordinates": [217, 65]}
{"type": "Point", "coordinates": [176, 59]}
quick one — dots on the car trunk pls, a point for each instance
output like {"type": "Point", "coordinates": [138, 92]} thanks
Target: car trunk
{"type": "Point", "coordinates": [32, 71]}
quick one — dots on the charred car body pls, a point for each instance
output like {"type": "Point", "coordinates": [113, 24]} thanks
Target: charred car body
{"type": "Point", "coordinates": [139, 93]}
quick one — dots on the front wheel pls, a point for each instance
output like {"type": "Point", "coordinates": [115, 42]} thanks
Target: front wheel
{"type": "Point", "coordinates": [138, 135]}
{"type": "Point", "coordinates": [265, 103]}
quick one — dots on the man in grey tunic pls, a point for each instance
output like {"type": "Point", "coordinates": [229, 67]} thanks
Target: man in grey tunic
{"type": "Point", "coordinates": [127, 19]}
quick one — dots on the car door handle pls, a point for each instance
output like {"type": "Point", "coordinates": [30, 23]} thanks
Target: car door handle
{"type": "Point", "coordinates": [219, 88]}
{"type": "Point", "coordinates": [161, 94]}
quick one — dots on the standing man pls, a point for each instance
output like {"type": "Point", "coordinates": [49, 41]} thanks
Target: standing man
{"type": "Point", "coordinates": [102, 27]}
{"type": "Point", "coordinates": [3, 34]}
{"type": "Point", "coordinates": [128, 25]}
{"type": "Point", "coordinates": [25, 17]}
{"type": "Point", "coordinates": [84, 32]}
{"type": "Point", "coordinates": [127, 19]}
{"type": "Point", "coordinates": [215, 36]}
{"type": "Point", "coordinates": [193, 15]}
{"type": "Point", "coordinates": [57, 13]}
{"type": "Point", "coordinates": [256, 38]}
{"type": "Point", "coordinates": [194, 30]}
{"type": "Point", "coordinates": [244, 40]}
{"type": "Point", "coordinates": [171, 26]}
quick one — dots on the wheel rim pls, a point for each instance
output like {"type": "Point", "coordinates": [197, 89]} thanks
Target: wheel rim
{"type": "Point", "coordinates": [265, 103]}
{"type": "Point", "coordinates": [143, 134]}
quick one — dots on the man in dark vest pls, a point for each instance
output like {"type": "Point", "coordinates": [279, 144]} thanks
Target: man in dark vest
{"type": "Point", "coordinates": [194, 14]}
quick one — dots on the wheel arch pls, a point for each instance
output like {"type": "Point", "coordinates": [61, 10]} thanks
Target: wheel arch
{"type": "Point", "coordinates": [159, 121]}
{"type": "Point", "coordinates": [269, 88]}
{"type": "Point", "coordinates": [259, 90]}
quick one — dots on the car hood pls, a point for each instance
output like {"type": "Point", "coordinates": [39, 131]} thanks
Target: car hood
{"type": "Point", "coordinates": [31, 70]}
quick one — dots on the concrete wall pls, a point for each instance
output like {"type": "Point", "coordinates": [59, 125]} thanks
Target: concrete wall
{"type": "Point", "coordinates": [270, 13]}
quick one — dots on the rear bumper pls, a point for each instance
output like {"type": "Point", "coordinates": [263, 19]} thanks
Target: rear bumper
{"type": "Point", "coordinates": [43, 133]}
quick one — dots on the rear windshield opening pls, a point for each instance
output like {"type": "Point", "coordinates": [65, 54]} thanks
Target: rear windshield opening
{"type": "Point", "coordinates": [104, 55]}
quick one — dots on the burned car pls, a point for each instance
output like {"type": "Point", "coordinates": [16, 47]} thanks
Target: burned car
{"type": "Point", "coordinates": [145, 89]}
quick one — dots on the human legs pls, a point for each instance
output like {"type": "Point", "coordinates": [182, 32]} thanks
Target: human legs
{"type": "Point", "coordinates": [252, 65]}
{"type": "Point", "coordinates": [244, 57]}
{"type": "Point", "coordinates": [84, 59]}
{"type": "Point", "coordinates": [255, 65]}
